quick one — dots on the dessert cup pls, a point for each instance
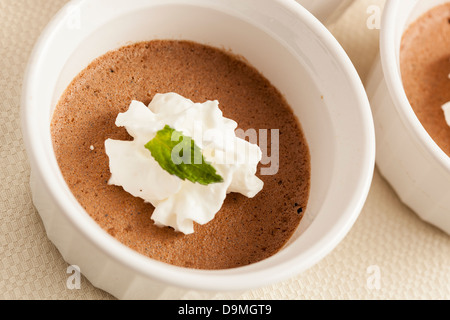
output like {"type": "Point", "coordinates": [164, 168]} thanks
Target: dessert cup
{"type": "Point", "coordinates": [327, 11]}
{"type": "Point", "coordinates": [415, 166]}
{"type": "Point", "coordinates": [281, 39]}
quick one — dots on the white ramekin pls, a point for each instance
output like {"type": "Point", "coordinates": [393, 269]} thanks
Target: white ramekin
{"type": "Point", "coordinates": [281, 39]}
{"type": "Point", "coordinates": [417, 169]}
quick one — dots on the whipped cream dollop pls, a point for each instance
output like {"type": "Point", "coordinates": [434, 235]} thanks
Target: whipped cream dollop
{"type": "Point", "coordinates": [446, 109]}
{"type": "Point", "coordinates": [179, 203]}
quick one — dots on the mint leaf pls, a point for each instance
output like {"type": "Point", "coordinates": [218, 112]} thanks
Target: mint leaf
{"type": "Point", "coordinates": [180, 156]}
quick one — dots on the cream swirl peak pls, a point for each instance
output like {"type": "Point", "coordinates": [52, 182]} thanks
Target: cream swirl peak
{"type": "Point", "coordinates": [179, 203]}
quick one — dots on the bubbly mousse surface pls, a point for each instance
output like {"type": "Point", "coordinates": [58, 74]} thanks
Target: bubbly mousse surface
{"type": "Point", "coordinates": [245, 230]}
{"type": "Point", "coordinates": [425, 69]}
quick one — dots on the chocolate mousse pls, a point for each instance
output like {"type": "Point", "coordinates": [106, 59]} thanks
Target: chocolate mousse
{"type": "Point", "coordinates": [425, 69]}
{"type": "Point", "coordinates": [245, 230]}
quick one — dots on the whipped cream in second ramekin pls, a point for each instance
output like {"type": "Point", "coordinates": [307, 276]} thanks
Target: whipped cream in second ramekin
{"type": "Point", "coordinates": [446, 109]}
{"type": "Point", "coordinates": [179, 203]}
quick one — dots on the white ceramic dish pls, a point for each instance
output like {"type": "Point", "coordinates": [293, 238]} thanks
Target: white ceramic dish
{"type": "Point", "coordinates": [281, 39]}
{"type": "Point", "coordinates": [417, 169]}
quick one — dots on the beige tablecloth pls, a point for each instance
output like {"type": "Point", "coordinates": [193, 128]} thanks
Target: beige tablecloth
{"type": "Point", "coordinates": [389, 253]}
